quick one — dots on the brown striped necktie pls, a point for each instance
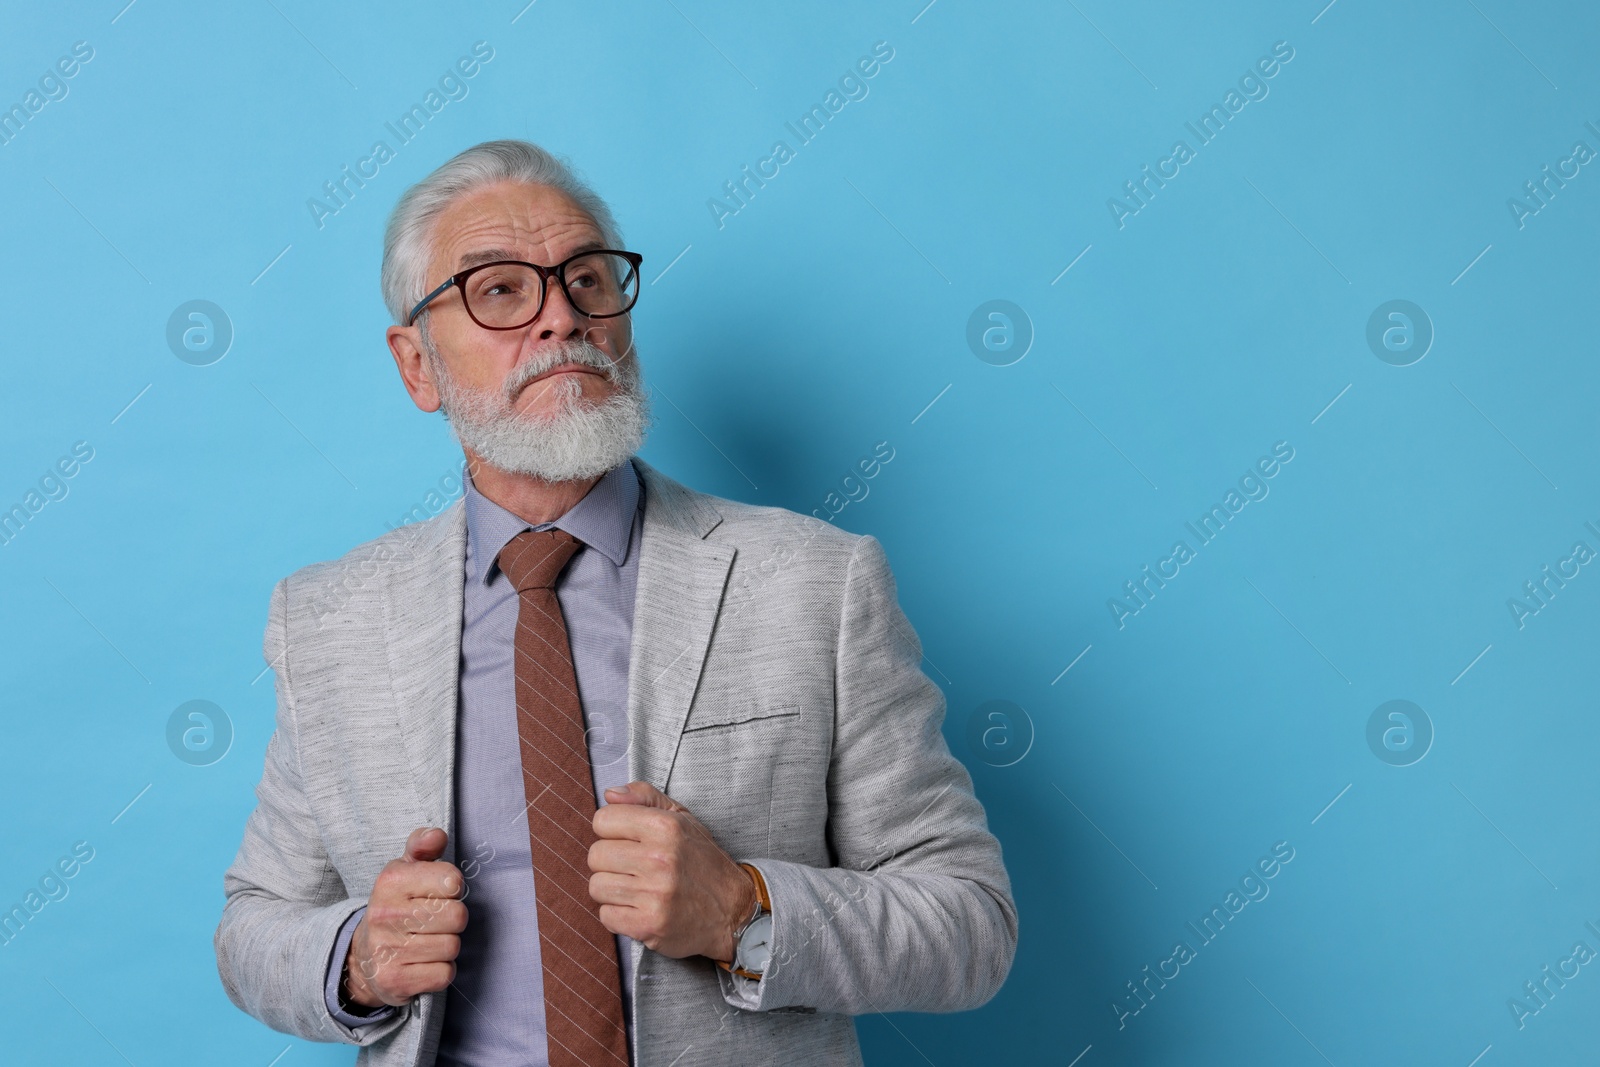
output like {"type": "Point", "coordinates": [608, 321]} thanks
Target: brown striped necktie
{"type": "Point", "coordinates": [582, 983]}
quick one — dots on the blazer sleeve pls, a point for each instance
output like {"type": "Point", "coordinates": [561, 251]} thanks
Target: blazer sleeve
{"type": "Point", "coordinates": [917, 913]}
{"type": "Point", "coordinates": [285, 901]}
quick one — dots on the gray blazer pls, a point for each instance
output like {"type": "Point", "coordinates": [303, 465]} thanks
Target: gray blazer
{"type": "Point", "coordinates": [774, 687]}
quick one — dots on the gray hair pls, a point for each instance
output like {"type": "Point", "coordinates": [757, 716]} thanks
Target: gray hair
{"type": "Point", "coordinates": [408, 238]}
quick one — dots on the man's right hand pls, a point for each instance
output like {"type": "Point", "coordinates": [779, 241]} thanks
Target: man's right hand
{"type": "Point", "coordinates": [408, 940]}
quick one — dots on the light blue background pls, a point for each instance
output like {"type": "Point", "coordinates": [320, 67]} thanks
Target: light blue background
{"type": "Point", "coordinates": [828, 315]}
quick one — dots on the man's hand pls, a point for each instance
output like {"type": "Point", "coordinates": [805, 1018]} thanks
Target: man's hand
{"type": "Point", "coordinates": [660, 878]}
{"type": "Point", "coordinates": [407, 941]}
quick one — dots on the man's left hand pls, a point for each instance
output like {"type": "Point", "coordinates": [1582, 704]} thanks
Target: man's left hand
{"type": "Point", "coordinates": [662, 880]}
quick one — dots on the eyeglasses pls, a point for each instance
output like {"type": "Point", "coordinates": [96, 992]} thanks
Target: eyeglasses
{"type": "Point", "coordinates": [508, 294]}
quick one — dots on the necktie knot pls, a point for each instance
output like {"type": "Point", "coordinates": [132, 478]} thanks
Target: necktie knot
{"type": "Point", "coordinates": [534, 559]}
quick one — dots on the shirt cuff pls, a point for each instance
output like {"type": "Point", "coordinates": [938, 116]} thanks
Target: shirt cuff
{"type": "Point", "coordinates": [341, 950]}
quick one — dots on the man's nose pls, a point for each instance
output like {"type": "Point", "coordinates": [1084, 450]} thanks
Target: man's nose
{"type": "Point", "coordinates": [558, 319]}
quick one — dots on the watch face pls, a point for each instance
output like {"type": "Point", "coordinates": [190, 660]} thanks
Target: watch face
{"type": "Point", "coordinates": [754, 950]}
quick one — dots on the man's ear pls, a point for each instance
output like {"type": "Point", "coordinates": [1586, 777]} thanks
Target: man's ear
{"type": "Point", "coordinates": [405, 343]}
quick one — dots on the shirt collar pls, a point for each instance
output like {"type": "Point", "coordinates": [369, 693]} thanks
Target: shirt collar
{"type": "Point", "coordinates": [603, 520]}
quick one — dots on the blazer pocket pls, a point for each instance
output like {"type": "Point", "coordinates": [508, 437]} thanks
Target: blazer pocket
{"type": "Point", "coordinates": [713, 717]}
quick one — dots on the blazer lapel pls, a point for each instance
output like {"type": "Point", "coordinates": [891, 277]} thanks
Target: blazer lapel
{"type": "Point", "coordinates": [679, 591]}
{"type": "Point", "coordinates": [424, 609]}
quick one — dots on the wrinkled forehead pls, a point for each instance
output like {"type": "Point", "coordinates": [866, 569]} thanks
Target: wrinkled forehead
{"type": "Point", "coordinates": [511, 220]}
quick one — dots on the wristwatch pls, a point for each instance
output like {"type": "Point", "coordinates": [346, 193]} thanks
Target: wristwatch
{"type": "Point", "coordinates": [753, 940]}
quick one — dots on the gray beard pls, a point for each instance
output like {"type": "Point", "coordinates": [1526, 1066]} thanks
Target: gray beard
{"type": "Point", "coordinates": [583, 439]}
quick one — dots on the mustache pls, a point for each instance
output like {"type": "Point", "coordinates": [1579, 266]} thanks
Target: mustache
{"type": "Point", "coordinates": [572, 350]}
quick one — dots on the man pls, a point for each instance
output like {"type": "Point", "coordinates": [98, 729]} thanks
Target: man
{"type": "Point", "coordinates": [593, 768]}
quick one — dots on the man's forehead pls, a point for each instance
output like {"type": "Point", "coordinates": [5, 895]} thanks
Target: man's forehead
{"type": "Point", "coordinates": [524, 220]}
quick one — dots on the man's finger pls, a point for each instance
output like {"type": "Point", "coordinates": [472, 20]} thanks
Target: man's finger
{"type": "Point", "coordinates": [642, 793]}
{"type": "Point", "coordinates": [426, 977]}
{"type": "Point", "coordinates": [606, 888]}
{"type": "Point", "coordinates": [620, 919]}
{"type": "Point", "coordinates": [435, 880]}
{"type": "Point", "coordinates": [434, 915]}
{"type": "Point", "coordinates": [426, 844]}
{"type": "Point", "coordinates": [614, 856]}
{"type": "Point", "coordinates": [629, 821]}
{"type": "Point", "coordinates": [421, 948]}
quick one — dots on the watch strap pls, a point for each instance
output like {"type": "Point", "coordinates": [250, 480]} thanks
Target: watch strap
{"type": "Point", "coordinates": [763, 905]}
{"type": "Point", "coordinates": [761, 885]}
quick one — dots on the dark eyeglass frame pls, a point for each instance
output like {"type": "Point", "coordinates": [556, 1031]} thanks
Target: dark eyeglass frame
{"type": "Point", "coordinates": [558, 272]}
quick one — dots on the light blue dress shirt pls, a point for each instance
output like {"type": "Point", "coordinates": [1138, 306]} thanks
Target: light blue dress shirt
{"type": "Point", "coordinates": [494, 1012]}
